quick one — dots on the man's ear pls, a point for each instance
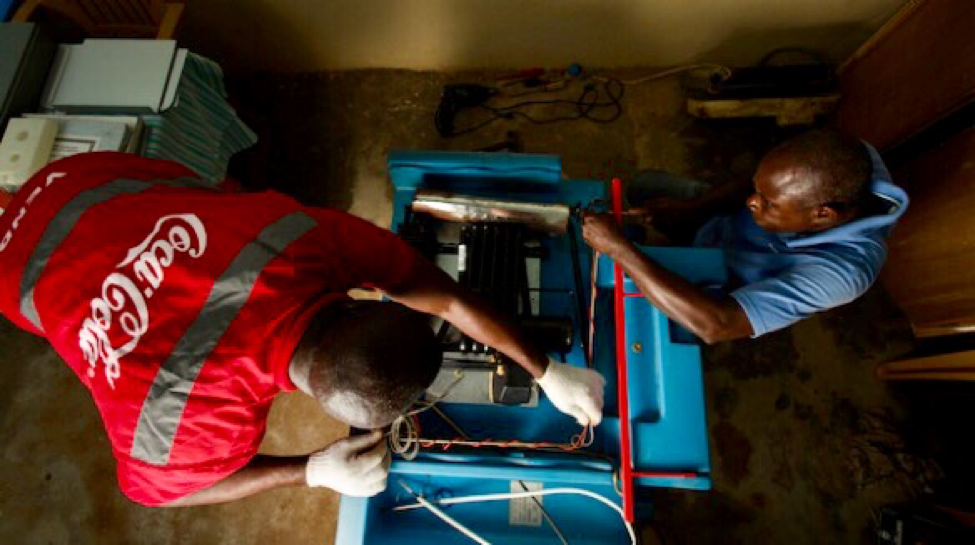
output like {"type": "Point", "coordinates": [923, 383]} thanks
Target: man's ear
{"type": "Point", "coordinates": [825, 216]}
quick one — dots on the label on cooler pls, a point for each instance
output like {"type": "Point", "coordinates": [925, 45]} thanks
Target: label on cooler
{"type": "Point", "coordinates": [525, 511]}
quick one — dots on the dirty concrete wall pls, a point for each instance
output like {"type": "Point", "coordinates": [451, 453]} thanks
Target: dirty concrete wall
{"type": "Point", "coordinates": [313, 35]}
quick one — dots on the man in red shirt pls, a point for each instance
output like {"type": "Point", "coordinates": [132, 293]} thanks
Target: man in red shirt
{"type": "Point", "coordinates": [185, 310]}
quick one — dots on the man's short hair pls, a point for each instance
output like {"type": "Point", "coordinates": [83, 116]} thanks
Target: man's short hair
{"type": "Point", "coordinates": [840, 165]}
{"type": "Point", "coordinates": [373, 361]}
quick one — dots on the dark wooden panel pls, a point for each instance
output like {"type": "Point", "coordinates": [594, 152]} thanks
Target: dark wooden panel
{"type": "Point", "coordinates": [917, 69]}
{"type": "Point", "coordinates": [931, 268]}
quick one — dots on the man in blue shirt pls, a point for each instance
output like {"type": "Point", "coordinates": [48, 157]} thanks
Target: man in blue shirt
{"type": "Point", "coordinates": [811, 237]}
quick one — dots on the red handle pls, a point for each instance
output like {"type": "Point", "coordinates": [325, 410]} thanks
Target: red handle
{"type": "Point", "coordinates": [626, 458]}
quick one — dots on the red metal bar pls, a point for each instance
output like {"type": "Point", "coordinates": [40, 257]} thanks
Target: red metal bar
{"type": "Point", "coordinates": [622, 393]}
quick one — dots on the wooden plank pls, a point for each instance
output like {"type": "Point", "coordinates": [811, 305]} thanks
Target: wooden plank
{"type": "Point", "coordinates": [917, 70]}
{"type": "Point", "coordinates": [878, 37]}
{"type": "Point", "coordinates": [954, 366]}
{"type": "Point", "coordinates": [110, 11]}
{"type": "Point", "coordinates": [957, 360]}
{"type": "Point", "coordinates": [930, 270]}
{"type": "Point", "coordinates": [94, 12]}
{"type": "Point", "coordinates": [130, 13]}
{"type": "Point", "coordinates": [71, 10]}
{"type": "Point", "coordinates": [171, 21]}
{"type": "Point", "coordinates": [25, 12]}
{"type": "Point", "coordinates": [786, 111]}
{"type": "Point", "coordinates": [932, 375]}
{"type": "Point", "coordinates": [156, 8]}
{"type": "Point", "coordinates": [142, 7]}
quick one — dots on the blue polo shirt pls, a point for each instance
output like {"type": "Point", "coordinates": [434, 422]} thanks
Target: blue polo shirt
{"type": "Point", "coordinates": [783, 278]}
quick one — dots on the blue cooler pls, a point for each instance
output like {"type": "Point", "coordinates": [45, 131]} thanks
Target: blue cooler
{"type": "Point", "coordinates": [665, 392]}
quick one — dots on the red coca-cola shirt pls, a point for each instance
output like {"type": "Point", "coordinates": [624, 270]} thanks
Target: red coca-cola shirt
{"type": "Point", "coordinates": [178, 306]}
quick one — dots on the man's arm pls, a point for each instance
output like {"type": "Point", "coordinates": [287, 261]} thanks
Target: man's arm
{"type": "Point", "coordinates": [432, 291]}
{"type": "Point", "coordinates": [573, 390]}
{"type": "Point", "coordinates": [680, 219]}
{"type": "Point", "coordinates": [354, 466]}
{"type": "Point", "coordinates": [376, 257]}
{"type": "Point", "coordinates": [713, 318]}
{"type": "Point", "coordinates": [262, 473]}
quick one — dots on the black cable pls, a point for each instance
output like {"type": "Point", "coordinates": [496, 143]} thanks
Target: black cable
{"type": "Point", "coordinates": [587, 90]}
{"type": "Point", "coordinates": [455, 98]}
{"type": "Point", "coordinates": [586, 105]}
{"type": "Point", "coordinates": [479, 126]}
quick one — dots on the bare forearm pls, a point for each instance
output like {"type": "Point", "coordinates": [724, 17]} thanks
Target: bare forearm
{"type": "Point", "coordinates": [436, 293]}
{"type": "Point", "coordinates": [481, 322]}
{"type": "Point", "coordinates": [262, 473]}
{"type": "Point", "coordinates": [712, 318]}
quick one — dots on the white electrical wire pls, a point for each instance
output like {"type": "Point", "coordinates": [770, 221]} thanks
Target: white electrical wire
{"type": "Point", "coordinates": [445, 517]}
{"type": "Point", "coordinates": [403, 434]}
{"type": "Point", "coordinates": [403, 438]}
{"type": "Point", "coordinates": [532, 494]}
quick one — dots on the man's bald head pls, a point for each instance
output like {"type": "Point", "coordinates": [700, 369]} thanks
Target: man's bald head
{"type": "Point", "coordinates": [811, 182]}
{"type": "Point", "coordinates": [835, 166]}
{"type": "Point", "coordinates": [371, 361]}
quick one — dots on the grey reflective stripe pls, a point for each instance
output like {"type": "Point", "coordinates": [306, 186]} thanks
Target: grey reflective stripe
{"type": "Point", "coordinates": [58, 230]}
{"type": "Point", "coordinates": [170, 390]}
{"type": "Point", "coordinates": [64, 222]}
{"type": "Point", "coordinates": [193, 183]}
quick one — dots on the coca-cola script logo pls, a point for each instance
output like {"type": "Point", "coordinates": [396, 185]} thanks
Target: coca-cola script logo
{"type": "Point", "coordinates": [126, 291]}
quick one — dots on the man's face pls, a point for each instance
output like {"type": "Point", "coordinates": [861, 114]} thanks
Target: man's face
{"type": "Point", "coordinates": [781, 202]}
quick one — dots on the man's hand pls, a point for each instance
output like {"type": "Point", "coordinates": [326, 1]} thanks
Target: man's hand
{"type": "Point", "coordinates": [354, 466]}
{"type": "Point", "coordinates": [575, 391]}
{"type": "Point", "coordinates": [601, 232]}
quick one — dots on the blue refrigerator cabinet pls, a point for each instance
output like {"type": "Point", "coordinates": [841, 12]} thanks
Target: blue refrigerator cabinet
{"type": "Point", "coordinates": [665, 391]}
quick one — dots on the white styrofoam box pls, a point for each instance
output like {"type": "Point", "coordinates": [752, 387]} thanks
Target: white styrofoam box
{"type": "Point", "coordinates": [25, 149]}
{"type": "Point", "coordinates": [114, 76]}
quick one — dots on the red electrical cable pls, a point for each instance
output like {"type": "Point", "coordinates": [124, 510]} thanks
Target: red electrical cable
{"type": "Point", "coordinates": [578, 441]}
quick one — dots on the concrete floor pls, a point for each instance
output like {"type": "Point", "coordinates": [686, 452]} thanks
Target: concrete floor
{"type": "Point", "coordinates": [784, 410]}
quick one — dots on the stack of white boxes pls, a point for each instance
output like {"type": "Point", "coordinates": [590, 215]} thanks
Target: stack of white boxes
{"type": "Point", "coordinates": [119, 79]}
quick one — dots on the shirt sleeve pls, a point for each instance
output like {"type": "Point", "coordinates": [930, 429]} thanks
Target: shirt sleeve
{"type": "Point", "coordinates": [800, 292]}
{"type": "Point", "coordinates": [151, 485]}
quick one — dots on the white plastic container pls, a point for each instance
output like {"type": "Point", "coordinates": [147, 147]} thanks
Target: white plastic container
{"type": "Point", "coordinates": [25, 149]}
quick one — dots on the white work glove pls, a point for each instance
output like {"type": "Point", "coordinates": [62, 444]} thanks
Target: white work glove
{"type": "Point", "coordinates": [354, 466]}
{"type": "Point", "coordinates": [575, 391]}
